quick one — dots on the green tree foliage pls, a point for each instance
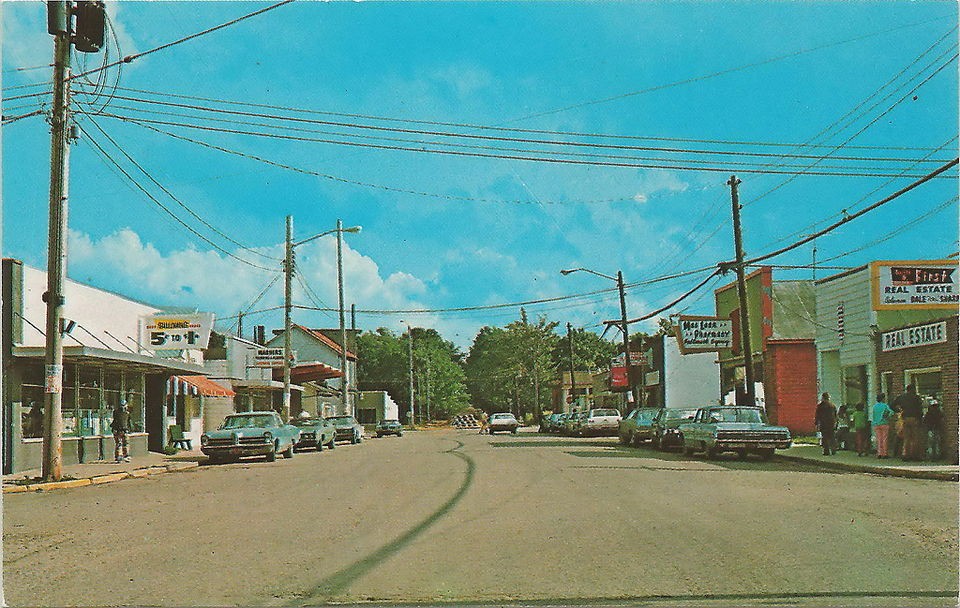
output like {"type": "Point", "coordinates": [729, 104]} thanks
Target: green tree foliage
{"type": "Point", "coordinates": [590, 352]}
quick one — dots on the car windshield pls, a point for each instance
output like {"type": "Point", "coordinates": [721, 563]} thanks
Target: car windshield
{"type": "Point", "coordinates": [386, 422]}
{"type": "Point", "coordinates": [647, 415]}
{"type": "Point", "coordinates": [681, 414]}
{"type": "Point", "coordinates": [736, 415]}
{"type": "Point", "coordinates": [246, 422]}
{"type": "Point", "coordinates": [604, 413]}
{"type": "Point", "coordinates": [341, 420]}
{"type": "Point", "coordinates": [502, 417]}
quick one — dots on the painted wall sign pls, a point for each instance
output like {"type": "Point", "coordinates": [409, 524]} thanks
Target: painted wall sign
{"type": "Point", "coordinates": [271, 357]}
{"type": "Point", "coordinates": [915, 284]}
{"type": "Point", "coordinates": [933, 333]}
{"type": "Point", "coordinates": [704, 334]}
{"type": "Point", "coordinates": [172, 332]}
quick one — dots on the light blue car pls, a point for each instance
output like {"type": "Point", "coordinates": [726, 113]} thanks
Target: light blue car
{"type": "Point", "coordinates": [250, 434]}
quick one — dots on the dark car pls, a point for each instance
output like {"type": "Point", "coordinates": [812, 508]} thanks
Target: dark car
{"type": "Point", "coordinates": [637, 426]}
{"type": "Point", "coordinates": [314, 432]}
{"type": "Point", "coordinates": [389, 427]}
{"type": "Point", "coordinates": [348, 429]}
{"type": "Point", "coordinates": [664, 428]}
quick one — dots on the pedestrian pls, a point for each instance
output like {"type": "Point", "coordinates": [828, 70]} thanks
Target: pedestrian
{"type": "Point", "coordinates": [826, 421]}
{"type": "Point", "coordinates": [35, 426]}
{"type": "Point", "coordinates": [911, 410]}
{"type": "Point", "coordinates": [843, 428]}
{"type": "Point", "coordinates": [882, 416]}
{"type": "Point", "coordinates": [933, 422]}
{"type": "Point", "coordinates": [861, 429]}
{"type": "Point", "coordinates": [121, 421]}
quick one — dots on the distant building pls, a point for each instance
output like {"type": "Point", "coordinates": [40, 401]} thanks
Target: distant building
{"type": "Point", "coordinates": [567, 396]}
{"type": "Point", "coordinates": [672, 379]}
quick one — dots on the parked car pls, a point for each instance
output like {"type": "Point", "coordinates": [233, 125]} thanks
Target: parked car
{"type": "Point", "coordinates": [502, 421]}
{"type": "Point", "coordinates": [664, 427]}
{"type": "Point", "coordinates": [389, 427]}
{"type": "Point", "coordinates": [250, 434]}
{"type": "Point", "coordinates": [548, 424]}
{"type": "Point", "coordinates": [348, 429]}
{"type": "Point", "coordinates": [571, 426]}
{"type": "Point", "coordinates": [637, 426]}
{"type": "Point", "coordinates": [315, 433]}
{"type": "Point", "coordinates": [599, 422]}
{"type": "Point", "coordinates": [739, 429]}
{"type": "Point", "coordinates": [558, 423]}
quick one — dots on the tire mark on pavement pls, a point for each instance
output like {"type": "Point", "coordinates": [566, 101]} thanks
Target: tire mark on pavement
{"type": "Point", "coordinates": [339, 581]}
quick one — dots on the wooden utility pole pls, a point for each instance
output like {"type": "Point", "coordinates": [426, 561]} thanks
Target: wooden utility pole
{"type": "Point", "coordinates": [52, 458]}
{"type": "Point", "coordinates": [573, 380]}
{"type": "Point", "coordinates": [746, 346]}
{"type": "Point", "coordinates": [287, 306]}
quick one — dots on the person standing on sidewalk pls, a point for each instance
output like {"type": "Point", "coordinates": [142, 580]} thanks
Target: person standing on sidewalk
{"type": "Point", "coordinates": [843, 428]}
{"type": "Point", "coordinates": [121, 421]}
{"type": "Point", "coordinates": [861, 429]}
{"type": "Point", "coordinates": [882, 415]}
{"type": "Point", "coordinates": [933, 422]}
{"type": "Point", "coordinates": [911, 408]}
{"type": "Point", "coordinates": [826, 421]}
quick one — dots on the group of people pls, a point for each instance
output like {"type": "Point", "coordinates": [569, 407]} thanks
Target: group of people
{"type": "Point", "coordinates": [901, 428]}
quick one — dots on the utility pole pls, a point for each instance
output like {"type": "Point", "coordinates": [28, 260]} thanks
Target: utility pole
{"type": "Point", "coordinates": [573, 381]}
{"type": "Point", "coordinates": [52, 458]}
{"type": "Point", "coordinates": [626, 334]}
{"type": "Point", "coordinates": [287, 305]}
{"type": "Point", "coordinates": [345, 384]}
{"type": "Point", "coordinates": [413, 422]}
{"type": "Point", "coordinates": [428, 391]}
{"type": "Point", "coordinates": [746, 346]}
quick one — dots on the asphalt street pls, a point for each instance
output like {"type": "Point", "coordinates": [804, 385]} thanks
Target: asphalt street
{"type": "Point", "coordinates": [453, 516]}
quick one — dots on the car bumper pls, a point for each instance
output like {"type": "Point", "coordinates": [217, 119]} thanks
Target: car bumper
{"type": "Point", "coordinates": [503, 427]}
{"type": "Point", "coordinates": [344, 435]}
{"type": "Point", "coordinates": [237, 451]}
{"type": "Point", "coordinates": [734, 444]}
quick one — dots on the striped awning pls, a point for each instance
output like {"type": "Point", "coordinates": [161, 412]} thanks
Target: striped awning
{"type": "Point", "coordinates": [196, 385]}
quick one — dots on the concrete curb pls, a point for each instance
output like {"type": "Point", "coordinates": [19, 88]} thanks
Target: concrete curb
{"type": "Point", "coordinates": [173, 467]}
{"type": "Point", "coordinates": [886, 471]}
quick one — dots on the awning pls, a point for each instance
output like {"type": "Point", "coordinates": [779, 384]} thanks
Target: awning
{"type": "Point", "coordinates": [309, 372]}
{"type": "Point", "coordinates": [197, 385]}
{"type": "Point", "coordinates": [112, 359]}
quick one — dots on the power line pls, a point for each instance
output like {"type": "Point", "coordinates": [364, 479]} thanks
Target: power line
{"type": "Point", "coordinates": [177, 200]}
{"type": "Point", "coordinates": [131, 58]}
{"type": "Point", "coordinates": [165, 208]}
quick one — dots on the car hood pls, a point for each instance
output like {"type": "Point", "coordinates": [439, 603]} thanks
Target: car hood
{"type": "Point", "coordinates": [246, 432]}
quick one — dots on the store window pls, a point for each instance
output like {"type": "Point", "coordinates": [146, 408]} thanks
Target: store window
{"type": "Point", "coordinates": [928, 382]}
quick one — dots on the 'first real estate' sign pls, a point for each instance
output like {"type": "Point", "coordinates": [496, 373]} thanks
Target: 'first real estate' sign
{"type": "Point", "coordinates": [915, 285]}
{"type": "Point", "coordinates": [933, 333]}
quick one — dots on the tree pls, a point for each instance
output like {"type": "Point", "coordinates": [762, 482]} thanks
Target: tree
{"type": "Point", "coordinates": [590, 352]}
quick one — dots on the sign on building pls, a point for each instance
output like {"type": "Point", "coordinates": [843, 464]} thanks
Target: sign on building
{"type": "Point", "coordinates": [932, 333]}
{"type": "Point", "coordinates": [704, 334]}
{"type": "Point", "coordinates": [915, 284]}
{"type": "Point", "coordinates": [173, 332]}
{"type": "Point", "coordinates": [271, 357]}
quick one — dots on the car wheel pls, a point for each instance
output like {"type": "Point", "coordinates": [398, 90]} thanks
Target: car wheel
{"type": "Point", "coordinates": [710, 453]}
{"type": "Point", "coordinates": [288, 453]}
{"type": "Point", "coordinates": [656, 443]}
{"type": "Point", "coordinates": [214, 459]}
{"type": "Point", "coordinates": [687, 449]}
{"type": "Point", "coordinates": [399, 433]}
{"type": "Point", "coordinates": [766, 453]}
{"type": "Point", "coordinates": [354, 440]}
{"type": "Point", "coordinates": [515, 431]}
{"type": "Point", "coordinates": [320, 445]}
{"type": "Point", "coordinates": [623, 440]}
{"type": "Point", "coordinates": [742, 454]}
{"type": "Point", "coordinates": [333, 442]}
{"type": "Point", "coordinates": [272, 454]}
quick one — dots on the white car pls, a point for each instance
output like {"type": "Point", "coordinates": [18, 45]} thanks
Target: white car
{"type": "Point", "coordinates": [600, 422]}
{"type": "Point", "coordinates": [502, 422]}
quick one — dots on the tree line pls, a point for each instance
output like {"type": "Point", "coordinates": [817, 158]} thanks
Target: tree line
{"type": "Point", "coordinates": [509, 368]}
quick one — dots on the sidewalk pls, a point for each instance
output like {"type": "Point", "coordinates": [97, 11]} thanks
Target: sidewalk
{"type": "Point", "coordinates": [849, 461]}
{"type": "Point", "coordinates": [104, 471]}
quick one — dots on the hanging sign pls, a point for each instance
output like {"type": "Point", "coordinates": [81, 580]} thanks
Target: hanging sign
{"type": "Point", "coordinates": [172, 332]}
{"type": "Point", "coordinates": [915, 285]}
{"type": "Point", "coordinates": [272, 357]}
{"type": "Point", "coordinates": [704, 334]}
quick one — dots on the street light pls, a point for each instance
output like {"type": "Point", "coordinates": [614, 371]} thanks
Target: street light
{"type": "Point", "coordinates": [623, 316]}
{"type": "Point", "coordinates": [288, 304]}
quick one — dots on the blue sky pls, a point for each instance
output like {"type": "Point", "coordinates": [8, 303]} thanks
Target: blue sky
{"type": "Point", "coordinates": [542, 66]}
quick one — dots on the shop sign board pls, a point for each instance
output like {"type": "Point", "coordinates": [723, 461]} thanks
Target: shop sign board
{"type": "Point", "coordinates": [636, 359]}
{"type": "Point", "coordinates": [915, 285]}
{"type": "Point", "coordinates": [704, 334]}
{"type": "Point", "coordinates": [618, 376]}
{"type": "Point", "coordinates": [174, 332]}
{"type": "Point", "coordinates": [932, 333]}
{"type": "Point", "coordinates": [271, 357]}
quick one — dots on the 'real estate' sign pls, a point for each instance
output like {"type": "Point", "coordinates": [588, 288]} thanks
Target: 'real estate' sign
{"type": "Point", "coordinates": [933, 333]}
{"type": "Point", "coordinates": [173, 332]}
{"type": "Point", "coordinates": [704, 334]}
{"type": "Point", "coordinates": [915, 284]}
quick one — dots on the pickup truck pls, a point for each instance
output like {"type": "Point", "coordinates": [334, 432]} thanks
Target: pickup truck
{"type": "Point", "coordinates": [739, 429]}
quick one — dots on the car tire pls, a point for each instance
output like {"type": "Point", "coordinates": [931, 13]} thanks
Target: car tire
{"type": "Point", "coordinates": [765, 453]}
{"type": "Point", "coordinates": [710, 453]}
{"type": "Point", "coordinates": [399, 433]}
{"type": "Point", "coordinates": [687, 449]}
{"type": "Point", "coordinates": [514, 431]}
{"type": "Point", "coordinates": [354, 440]}
{"type": "Point", "coordinates": [656, 443]}
{"type": "Point", "coordinates": [623, 439]}
{"type": "Point", "coordinates": [272, 454]}
{"type": "Point", "coordinates": [333, 442]}
{"type": "Point", "coordinates": [288, 453]}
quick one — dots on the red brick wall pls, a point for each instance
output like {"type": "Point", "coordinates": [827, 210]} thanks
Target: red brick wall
{"type": "Point", "coordinates": [945, 356]}
{"type": "Point", "coordinates": [790, 384]}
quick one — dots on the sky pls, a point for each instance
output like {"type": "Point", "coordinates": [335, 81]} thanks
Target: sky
{"type": "Point", "coordinates": [870, 88]}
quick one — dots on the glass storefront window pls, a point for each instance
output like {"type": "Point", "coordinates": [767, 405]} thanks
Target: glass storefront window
{"type": "Point", "coordinates": [928, 383]}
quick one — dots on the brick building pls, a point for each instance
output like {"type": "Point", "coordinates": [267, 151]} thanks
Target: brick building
{"type": "Point", "coordinates": [925, 355]}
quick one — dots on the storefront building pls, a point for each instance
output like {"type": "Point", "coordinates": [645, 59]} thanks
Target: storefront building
{"type": "Point", "coordinates": [672, 379]}
{"type": "Point", "coordinates": [103, 364]}
{"type": "Point", "coordinates": [852, 317]}
{"type": "Point", "coordinates": [924, 355]}
{"type": "Point", "coordinates": [782, 336]}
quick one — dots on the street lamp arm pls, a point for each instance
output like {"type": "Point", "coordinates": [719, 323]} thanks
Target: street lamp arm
{"type": "Point", "coordinates": [352, 229]}
{"type": "Point", "coordinates": [599, 274]}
